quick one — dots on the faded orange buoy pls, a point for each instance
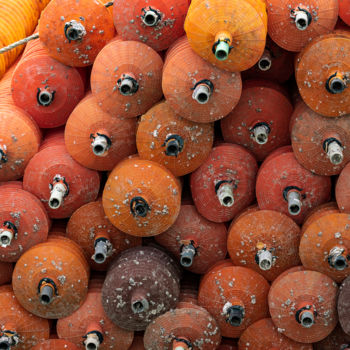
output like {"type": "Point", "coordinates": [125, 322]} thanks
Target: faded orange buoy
{"type": "Point", "coordinates": [23, 222]}
{"type": "Point", "coordinates": [45, 88]}
{"type": "Point", "coordinates": [96, 139]}
{"type": "Point", "coordinates": [74, 33]}
{"type": "Point", "coordinates": [6, 270]}
{"type": "Point", "coordinates": [194, 88]}
{"type": "Point", "coordinates": [100, 240]}
{"type": "Point", "coordinates": [156, 23]}
{"type": "Point", "coordinates": [236, 297]}
{"type": "Point", "coordinates": [141, 284]}
{"type": "Point", "coordinates": [19, 328]}
{"type": "Point", "coordinates": [229, 34]}
{"type": "Point", "coordinates": [126, 78]}
{"type": "Point", "coordinates": [292, 24]}
{"type": "Point", "coordinates": [51, 279]}
{"type": "Point", "coordinates": [320, 144]}
{"type": "Point", "coordinates": [344, 11]}
{"type": "Point", "coordinates": [141, 197]}
{"type": "Point", "coordinates": [260, 121]}
{"type": "Point", "coordinates": [263, 334]}
{"type": "Point", "coordinates": [62, 184]}
{"type": "Point", "coordinates": [195, 241]}
{"type": "Point", "coordinates": [55, 344]}
{"type": "Point", "coordinates": [178, 144]}
{"type": "Point", "coordinates": [303, 305]}
{"type": "Point", "coordinates": [183, 329]}
{"type": "Point", "coordinates": [322, 74]}
{"type": "Point", "coordinates": [90, 329]}
{"type": "Point", "coordinates": [285, 186]}
{"type": "Point", "coordinates": [325, 245]}
{"type": "Point", "coordinates": [266, 241]}
{"type": "Point", "coordinates": [224, 184]}
{"type": "Point", "coordinates": [342, 190]}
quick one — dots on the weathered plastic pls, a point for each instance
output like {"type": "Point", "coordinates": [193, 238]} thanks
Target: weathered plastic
{"type": "Point", "coordinates": [51, 279]}
{"type": "Point", "coordinates": [342, 190]}
{"type": "Point", "coordinates": [343, 305]}
{"type": "Point", "coordinates": [224, 184]}
{"type": "Point", "coordinates": [55, 344]}
{"type": "Point", "coordinates": [195, 241]}
{"type": "Point", "coordinates": [6, 270]}
{"type": "Point", "coordinates": [96, 139]}
{"type": "Point", "coordinates": [303, 305]}
{"type": "Point", "coordinates": [178, 144]}
{"type": "Point", "coordinates": [344, 11]}
{"type": "Point", "coordinates": [260, 120]}
{"type": "Point", "coordinates": [338, 339]}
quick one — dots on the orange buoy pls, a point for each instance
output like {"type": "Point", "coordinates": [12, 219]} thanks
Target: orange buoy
{"type": "Point", "coordinates": [126, 78]}
{"type": "Point", "coordinates": [224, 184]}
{"type": "Point", "coordinates": [287, 272]}
{"type": "Point", "coordinates": [100, 240]}
{"type": "Point", "coordinates": [275, 64]}
{"type": "Point", "coordinates": [89, 328]}
{"type": "Point", "coordinates": [265, 241]}
{"type": "Point", "coordinates": [141, 197]}
{"type": "Point", "coordinates": [195, 241]}
{"type": "Point", "coordinates": [342, 190]}
{"type": "Point", "coordinates": [325, 245]}
{"type": "Point", "coordinates": [60, 182]}
{"type": "Point", "coordinates": [11, 184]}
{"type": "Point", "coordinates": [263, 334]}
{"type": "Point", "coordinates": [194, 88]}
{"type": "Point", "coordinates": [51, 279]}
{"type": "Point", "coordinates": [183, 329]}
{"type": "Point", "coordinates": [322, 75]}
{"type": "Point", "coordinates": [23, 223]}
{"type": "Point", "coordinates": [156, 23]}
{"type": "Point", "coordinates": [96, 139]}
{"type": "Point", "coordinates": [344, 11]}
{"type": "Point", "coordinates": [320, 144]}
{"type": "Point", "coordinates": [343, 305]}
{"type": "Point", "coordinates": [229, 34]}
{"type": "Point", "coordinates": [74, 33]}
{"type": "Point", "coordinates": [260, 121]}
{"type": "Point", "coordinates": [141, 284]}
{"type": "Point", "coordinates": [284, 185]}
{"type": "Point", "coordinates": [303, 305]}
{"type": "Point", "coordinates": [45, 88]}
{"type": "Point", "coordinates": [55, 344]}
{"type": "Point", "coordinates": [235, 296]}
{"type": "Point", "coordinates": [6, 270]}
{"type": "Point", "coordinates": [179, 144]}
{"type": "Point", "coordinates": [293, 24]}
{"type": "Point", "coordinates": [338, 339]}
{"type": "Point", "coordinates": [19, 328]}
{"type": "Point", "coordinates": [52, 137]}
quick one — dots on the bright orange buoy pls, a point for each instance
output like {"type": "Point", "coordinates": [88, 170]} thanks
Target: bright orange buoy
{"type": "Point", "coordinates": [141, 197]}
{"type": "Point", "coordinates": [344, 11]}
{"type": "Point", "coordinates": [23, 223]}
{"type": "Point", "coordinates": [319, 143]}
{"type": "Point", "coordinates": [19, 328]}
{"type": "Point", "coordinates": [141, 284]}
{"type": "Point", "coordinates": [260, 121]}
{"type": "Point", "coordinates": [126, 78]}
{"type": "Point", "coordinates": [89, 328]}
{"type": "Point", "coordinates": [55, 344]}
{"type": "Point", "coordinates": [45, 88]}
{"type": "Point", "coordinates": [236, 297]}
{"type": "Point", "coordinates": [157, 23]}
{"type": "Point", "coordinates": [303, 305]}
{"type": "Point", "coordinates": [182, 329]}
{"type": "Point", "coordinates": [51, 279]}
{"type": "Point", "coordinates": [322, 74]}
{"type": "Point", "coordinates": [74, 33]}
{"type": "Point", "coordinates": [263, 335]}
{"type": "Point", "coordinates": [195, 241]}
{"type": "Point", "coordinates": [292, 24]}
{"type": "Point", "coordinates": [265, 241]}
{"type": "Point", "coordinates": [178, 144]}
{"type": "Point", "coordinates": [325, 245]}
{"type": "Point", "coordinates": [342, 190]}
{"type": "Point", "coordinates": [59, 182]}
{"type": "Point", "coordinates": [96, 139]}
{"type": "Point", "coordinates": [285, 186]}
{"type": "Point", "coordinates": [6, 270]}
{"type": "Point", "coordinates": [229, 34]}
{"type": "Point", "coordinates": [100, 240]}
{"type": "Point", "coordinates": [194, 88]}
{"type": "Point", "coordinates": [224, 184]}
